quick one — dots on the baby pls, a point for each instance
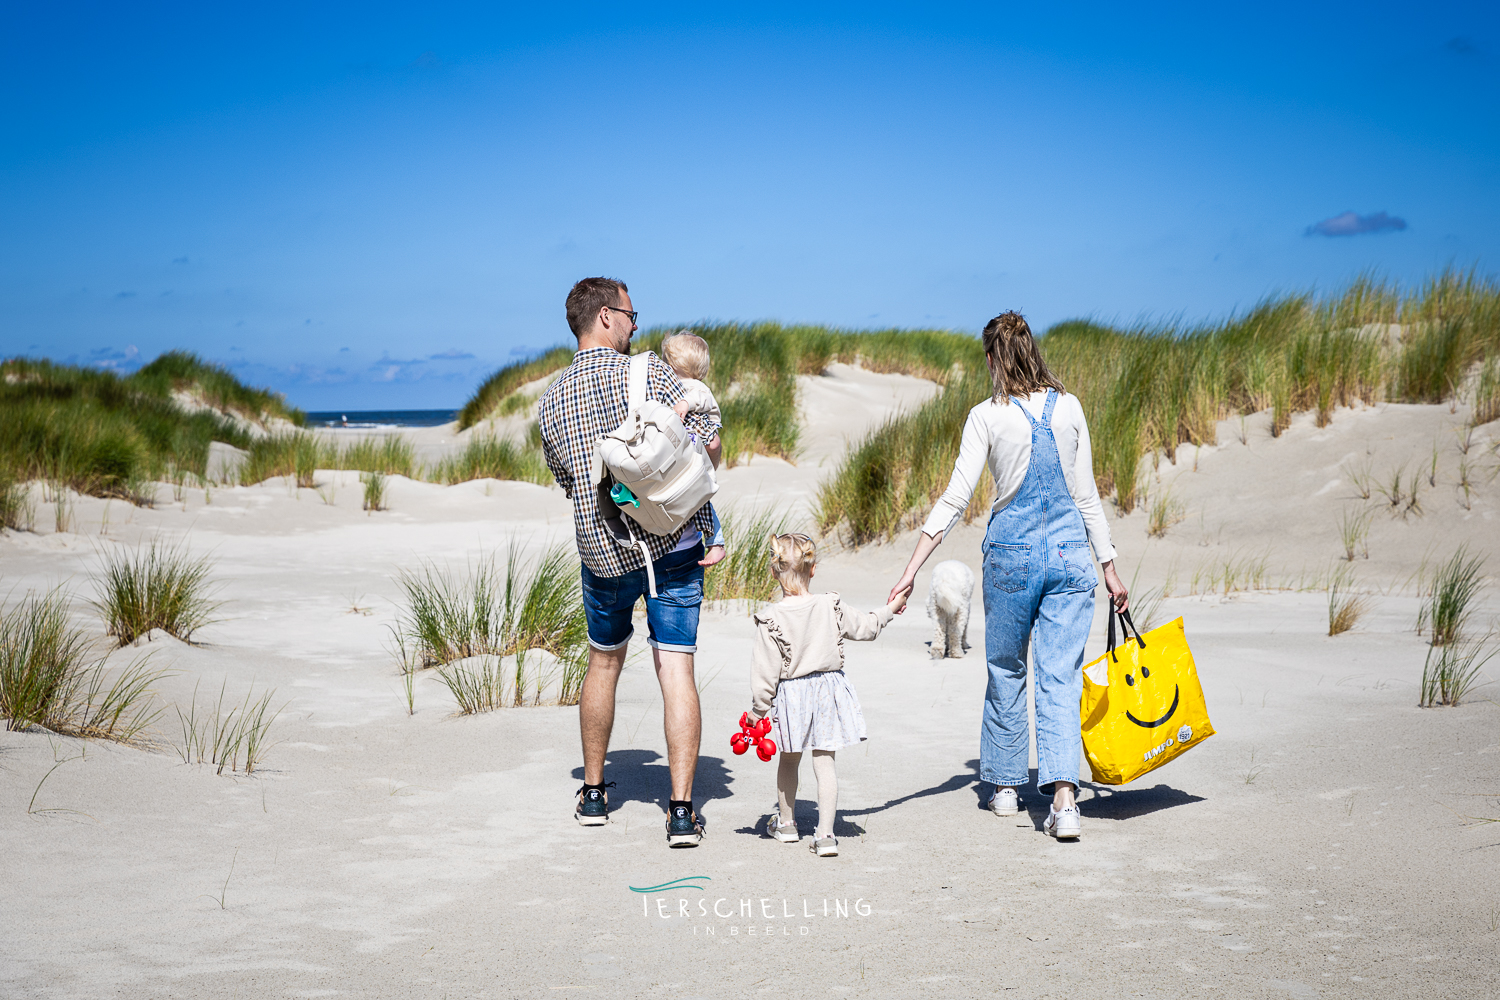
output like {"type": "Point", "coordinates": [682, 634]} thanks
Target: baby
{"type": "Point", "coordinates": [687, 355]}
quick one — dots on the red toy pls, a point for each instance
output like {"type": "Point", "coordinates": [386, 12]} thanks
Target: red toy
{"type": "Point", "coordinates": [754, 735]}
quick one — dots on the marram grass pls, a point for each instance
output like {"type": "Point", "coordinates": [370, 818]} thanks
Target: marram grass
{"type": "Point", "coordinates": [1149, 389]}
{"type": "Point", "coordinates": [154, 586]}
{"type": "Point", "coordinates": [109, 435]}
{"type": "Point", "coordinates": [485, 456]}
{"type": "Point", "coordinates": [234, 738]}
{"type": "Point", "coordinates": [46, 678]}
{"type": "Point", "coordinates": [475, 619]}
{"type": "Point", "coordinates": [1450, 603]}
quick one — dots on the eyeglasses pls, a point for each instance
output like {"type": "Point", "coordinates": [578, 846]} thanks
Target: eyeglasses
{"type": "Point", "coordinates": [628, 312]}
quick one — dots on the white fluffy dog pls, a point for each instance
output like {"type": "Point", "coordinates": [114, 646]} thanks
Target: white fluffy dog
{"type": "Point", "coordinates": [948, 606]}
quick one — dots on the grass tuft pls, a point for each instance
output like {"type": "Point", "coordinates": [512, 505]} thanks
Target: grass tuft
{"type": "Point", "coordinates": [1451, 600]}
{"type": "Point", "coordinates": [375, 484]}
{"type": "Point", "coordinates": [1345, 605]}
{"type": "Point", "coordinates": [491, 615]}
{"type": "Point", "coordinates": [154, 586]}
{"type": "Point", "coordinates": [1486, 402]}
{"type": "Point", "coordinates": [488, 457]}
{"type": "Point", "coordinates": [1165, 511]}
{"type": "Point", "coordinates": [17, 508]}
{"type": "Point", "coordinates": [45, 679]}
{"type": "Point", "coordinates": [1354, 532]}
{"type": "Point", "coordinates": [227, 738]}
{"type": "Point", "coordinates": [1452, 671]}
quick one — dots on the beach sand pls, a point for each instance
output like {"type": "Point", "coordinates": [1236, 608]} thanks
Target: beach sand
{"type": "Point", "coordinates": [1328, 842]}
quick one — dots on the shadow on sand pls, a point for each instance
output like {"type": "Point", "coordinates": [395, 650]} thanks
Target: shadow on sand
{"type": "Point", "coordinates": [1097, 801]}
{"type": "Point", "coordinates": [643, 776]}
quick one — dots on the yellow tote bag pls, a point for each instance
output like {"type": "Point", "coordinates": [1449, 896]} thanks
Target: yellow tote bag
{"type": "Point", "coordinates": [1142, 703]}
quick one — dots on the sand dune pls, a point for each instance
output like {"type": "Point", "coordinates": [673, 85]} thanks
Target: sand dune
{"type": "Point", "coordinates": [1322, 845]}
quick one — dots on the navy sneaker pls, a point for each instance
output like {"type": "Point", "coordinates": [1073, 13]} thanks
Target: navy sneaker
{"type": "Point", "coordinates": [593, 806]}
{"type": "Point", "coordinates": [684, 828]}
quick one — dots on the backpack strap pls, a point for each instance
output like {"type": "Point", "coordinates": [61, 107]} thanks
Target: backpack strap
{"type": "Point", "coordinates": [637, 383]}
{"type": "Point", "coordinates": [640, 370]}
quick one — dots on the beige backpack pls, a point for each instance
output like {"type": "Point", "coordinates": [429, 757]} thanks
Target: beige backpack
{"type": "Point", "coordinates": [666, 472]}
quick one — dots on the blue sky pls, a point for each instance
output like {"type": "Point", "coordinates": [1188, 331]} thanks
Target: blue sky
{"type": "Point", "coordinates": [375, 206]}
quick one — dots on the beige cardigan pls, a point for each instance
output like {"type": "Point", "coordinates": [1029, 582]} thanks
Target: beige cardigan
{"type": "Point", "coordinates": [803, 635]}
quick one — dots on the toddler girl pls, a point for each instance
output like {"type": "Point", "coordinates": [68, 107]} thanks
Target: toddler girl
{"type": "Point", "coordinates": [798, 677]}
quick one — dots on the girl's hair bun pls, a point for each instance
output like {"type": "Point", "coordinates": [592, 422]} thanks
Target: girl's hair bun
{"type": "Point", "coordinates": [793, 556]}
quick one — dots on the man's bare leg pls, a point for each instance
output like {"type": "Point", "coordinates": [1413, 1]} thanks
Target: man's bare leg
{"type": "Point", "coordinates": [680, 719]}
{"type": "Point", "coordinates": [596, 709]}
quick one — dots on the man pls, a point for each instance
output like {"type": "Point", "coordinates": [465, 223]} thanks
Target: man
{"type": "Point", "coordinates": [589, 399]}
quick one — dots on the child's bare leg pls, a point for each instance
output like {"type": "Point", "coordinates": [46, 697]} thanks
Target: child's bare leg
{"type": "Point", "coordinates": [828, 791]}
{"type": "Point", "coordinates": [786, 786]}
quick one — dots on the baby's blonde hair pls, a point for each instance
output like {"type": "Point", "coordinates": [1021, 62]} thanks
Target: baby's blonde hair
{"type": "Point", "coordinates": [687, 353]}
{"type": "Point", "coordinates": [792, 559]}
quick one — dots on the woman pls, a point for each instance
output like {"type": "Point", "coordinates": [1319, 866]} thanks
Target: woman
{"type": "Point", "coordinates": [1037, 570]}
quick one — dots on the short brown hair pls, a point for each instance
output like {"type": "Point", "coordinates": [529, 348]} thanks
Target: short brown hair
{"type": "Point", "coordinates": [1017, 364]}
{"type": "Point", "coordinates": [687, 353]}
{"type": "Point", "coordinates": [792, 558]}
{"type": "Point", "coordinates": [587, 298]}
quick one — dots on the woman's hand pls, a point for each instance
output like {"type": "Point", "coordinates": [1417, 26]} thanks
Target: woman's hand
{"type": "Point", "coordinates": [1118, 595]}
{"type": "Point", "coordinates": [901, 591]}
{"type": "Point", "coordinates": [925, 544]}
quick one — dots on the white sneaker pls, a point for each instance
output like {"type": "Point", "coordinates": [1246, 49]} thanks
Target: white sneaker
{"type": "Point", "coordinates": [1064, 825]}
{"type": "Point", "coordinates": [786, 833]}
{"type": "Point", "coordinates": [1005, 802]}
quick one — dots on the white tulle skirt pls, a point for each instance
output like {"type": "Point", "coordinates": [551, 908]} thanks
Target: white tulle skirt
{"type": "Point", "coordinates": [817, 712]}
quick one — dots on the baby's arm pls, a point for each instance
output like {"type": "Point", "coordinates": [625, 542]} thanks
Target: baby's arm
{"type": "Point", "coordinates": [697, 398]}
{"type": "Point", "coordinates": [765, 673]}
{"type": "Point", "coordinates": [862, 627]}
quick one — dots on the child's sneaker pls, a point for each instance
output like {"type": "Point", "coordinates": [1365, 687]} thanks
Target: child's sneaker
{"type": "Point", "coordinates": [826, 847]}
{"type": "Point", "coordinates": [1005, 802]}
{"type": "Point", "coordinates": [684, 828]}
{"type": "Point", "coordinates": [784, 832]}
{"type": "Point", "coordinates": [1064, 825]}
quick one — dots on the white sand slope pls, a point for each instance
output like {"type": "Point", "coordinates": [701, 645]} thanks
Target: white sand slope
{"type": "Point", "coordinates": [1322, 845]}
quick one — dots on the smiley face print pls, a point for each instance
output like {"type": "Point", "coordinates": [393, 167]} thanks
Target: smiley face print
{"type": "Point", "coordinates": [1150, 700]}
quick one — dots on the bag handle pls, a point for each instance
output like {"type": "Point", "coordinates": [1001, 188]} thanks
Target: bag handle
{"type": "Point", "coordinates": [1126, 626]}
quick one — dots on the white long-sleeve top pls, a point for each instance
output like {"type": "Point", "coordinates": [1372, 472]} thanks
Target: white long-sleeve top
{"type": "Point", "coordinates": [1000, 434]}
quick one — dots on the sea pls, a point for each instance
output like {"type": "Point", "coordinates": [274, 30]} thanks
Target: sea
{"type": "Point", "coordinates": [380, 419]}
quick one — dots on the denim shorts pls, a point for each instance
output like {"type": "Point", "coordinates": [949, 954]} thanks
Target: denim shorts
{"type": "Point", "coordinates": [671, 616]}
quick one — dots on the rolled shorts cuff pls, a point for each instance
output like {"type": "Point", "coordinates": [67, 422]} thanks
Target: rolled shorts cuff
{"type": "Point", "coordinates": [667, 647]}
{"type": "Point", "coordinates": [611, 648]}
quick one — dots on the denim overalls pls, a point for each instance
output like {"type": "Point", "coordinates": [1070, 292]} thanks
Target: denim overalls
{"type": "Point", "coordinates": [1038, 578]}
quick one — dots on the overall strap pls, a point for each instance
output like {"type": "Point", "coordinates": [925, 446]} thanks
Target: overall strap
{"type": "Point", "coordinates": [1047, 410]}
{"type": "Point", "coordinates": [1029, 417]}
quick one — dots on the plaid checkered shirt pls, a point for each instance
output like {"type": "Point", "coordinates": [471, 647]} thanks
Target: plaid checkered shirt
{"type": "Point", "coordinates": [587, 401]}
